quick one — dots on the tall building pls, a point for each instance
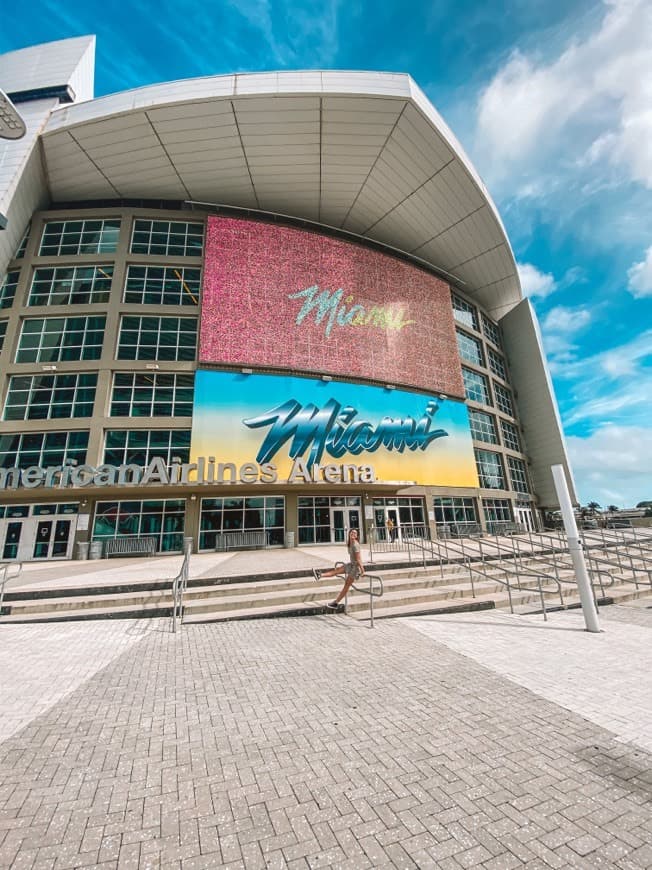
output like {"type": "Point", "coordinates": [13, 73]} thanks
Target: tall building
{"type": "Point", "coordinates": [281, 304]}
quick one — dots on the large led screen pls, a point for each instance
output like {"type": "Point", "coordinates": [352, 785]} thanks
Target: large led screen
{"type": "Point", "coordinates": [286, 298]}
{"type": "Point", "coordinates": [256, 428]}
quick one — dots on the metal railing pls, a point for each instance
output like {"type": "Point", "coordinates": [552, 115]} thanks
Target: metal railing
{"type": "Point", "coordinates": [178, 588]}
{"type": "Point", "coordinates": [399, 540]}
{"type": "Point", "coordinates": [371, 592]}
{"type": "Point", "coordinates": [6, 574]}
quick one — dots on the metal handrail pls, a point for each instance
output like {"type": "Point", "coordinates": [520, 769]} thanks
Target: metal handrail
{"type": "Point", "coordinates": [401, 538]}
{"type": "Point", "coordinates": [459, 547]}
{"type": "Point", "coordinates": [371, 592]}
{"type": "Point", "coordinates": [178, 588]}
{"type": "Point", "coordinates": [6, 576]}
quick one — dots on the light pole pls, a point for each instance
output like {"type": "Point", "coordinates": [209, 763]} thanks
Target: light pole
{"type": "Point", "coordinates": [12, 125]}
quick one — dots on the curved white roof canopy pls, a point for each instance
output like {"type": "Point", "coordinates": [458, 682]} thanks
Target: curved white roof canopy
{"type": "Point", "coordinates": [362, 152]}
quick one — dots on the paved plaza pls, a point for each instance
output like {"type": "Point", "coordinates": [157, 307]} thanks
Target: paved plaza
{"type": "Point", "coordinates": [459, 741]}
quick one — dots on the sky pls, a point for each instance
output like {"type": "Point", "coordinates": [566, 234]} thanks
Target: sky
{"type": "Point", "coordinates": [552, 101]}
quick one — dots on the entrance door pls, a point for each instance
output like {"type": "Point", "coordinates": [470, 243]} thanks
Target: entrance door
{"type": "Point", "coordinates": [386, 522]}
{"type": "Point", "coordinates": [51, 539]}
{"type": "Point", "coordinates": [525, 517]}
{"type": "Point", "coordinates": [12, 540]}
{"type": "Point", "coordinates": [343, 519]}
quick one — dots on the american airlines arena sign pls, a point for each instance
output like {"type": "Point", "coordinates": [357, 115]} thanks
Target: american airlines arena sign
{"type": "Point", "coordinates": [204, 472]}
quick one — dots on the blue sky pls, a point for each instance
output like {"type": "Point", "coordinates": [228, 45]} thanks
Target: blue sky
{"type": "Point", "coordinates": [553, 103]}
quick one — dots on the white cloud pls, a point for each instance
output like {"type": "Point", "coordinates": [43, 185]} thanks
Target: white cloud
{"type": "Point", "coordinates": [640, 277]}
{"type": "Point", "coordinates": [566, 320]}
{"type": "Point", "coordinates": [590, 104]}
{"type": "Point", "coordinates": [613, 465]}
{"type": "Point", "coordinates": [534, 282]}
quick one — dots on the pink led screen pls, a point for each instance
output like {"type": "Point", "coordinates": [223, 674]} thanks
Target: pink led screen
{"type": "Point", "coordinates": [285, 298]}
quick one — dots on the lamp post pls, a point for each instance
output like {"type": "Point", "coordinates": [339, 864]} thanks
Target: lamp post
{"type": "Point", "coordinates": [12, 125]}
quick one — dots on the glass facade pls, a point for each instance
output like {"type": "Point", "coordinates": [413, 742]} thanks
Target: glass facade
{"type": "Point", "coordinates": [140, 446]}
{"type": "Point", "coordinates": [503, 400]}
{"type": "Point", "coordinates": [465, 313]}
{"type": "Point", "coordinates": [316, 522]}
{"type": "Point", "coordinates": [497, 364]}
{"type": "Point", "coordinates": [157, 338]}
{"type": "Point", "coordinates": [42, 448]}
{"type": "Point", "coordinates": [79, 237]}
{"type": "Point", "coordinates": [264, 514]}
{"type": "Point", "coordinates": [162, 519]}
{"type": "Point", "coordinates": [162, 285]}
{"type": "Point", "coordinates": [476, 387]}
{"type": "Point", "coordinates": [510, 436]}
{"type": "Point", "coordinates": [518, 474]}
{"type": "Point", "coordinates": [456, 515]}
{"type": "Point", "coordinates": [74, 285]}
{"type": "Point", "coordinates": [167, 238]}
{"type": "Point", "coordinates": [61, 339]}
{"type": "Point", "coordinates": [154, 394]}
{"type": "Point", "coordinates": [8, 288]}
{"type": "Point", "coordinates": [490, 469]}
{"type": "Point", "coordinates": [491, 331]}
{"type": "Point", "coordinates": [483, 426]}
{"type": "Point", "coordinates": [50, 397]}
{"type": "Point", "coordinates": [470, 348]}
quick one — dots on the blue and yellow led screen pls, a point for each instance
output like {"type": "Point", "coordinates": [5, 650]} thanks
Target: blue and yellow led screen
{"type": "Point", "coordinates": [302, 429]}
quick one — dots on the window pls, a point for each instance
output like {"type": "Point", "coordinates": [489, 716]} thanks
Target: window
{"type": "Point", "coordinates": [457, 515]}
{"type": "Point", "coordinates": [476, 387]}
{"type": "Point", "coordinates": [3, 332]}
{"type": "Point", "coordinates": [496, 510]}
{"type": "Point", "coordinates": [75, 285]}
{"type": "Point", "coordinates": [255, 513]}
{"type": "Point", "coordinates": [490, 469]}
{"type": "Point", "coordinates": [161, 338]}
{"type": "Point", "coordinates": [8, 288]}
{"type": "Point", "coordinates": [510, 436]}
{"type": "Point", "coordinates": [483, 427]}
{"type": "Point", "coordinates": [79, 237]}
{"type": "Point", "coordinates": [140, 446]}
{"type": "Point", "coordinates": [22, 247]}
{"type": "Point", "coordinates": [170, 238]}
{"type": "Point", "coordinates": [163, 519]}
{"type": "Point", "coordinates": [42, 448]}
{"type": "Point", "coordinates": [518, 474]}
{"type": "Point", "coordinates": [491, 331]}
{"type": "Point", "coordinates": [61, 339]}
{"type": "Point", "coordinates": [50, 397]}
{"type": "Point", "coordinates": [497, 364]}
{"type": "Point", "coordinates": [465, 313]}
{"type": "Point", "coordinates": [162, 285]}
{"type": "Point", "coordinates": [470, 348]}
{"type": "Point", "coordinates": [152, 395]}
{"type": "Point", "coordinates": [504, 400]}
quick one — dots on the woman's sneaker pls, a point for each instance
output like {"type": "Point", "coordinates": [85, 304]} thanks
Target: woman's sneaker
{"type": "Point", "coordinates": [333, 605]}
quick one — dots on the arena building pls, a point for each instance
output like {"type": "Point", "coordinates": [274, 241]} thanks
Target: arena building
{"type": "Point", "coordinates": [260, 308]}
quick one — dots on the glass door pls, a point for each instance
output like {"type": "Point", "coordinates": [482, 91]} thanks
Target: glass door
{"type": "Point", "coordinates": [42, 539]}
{"type": "Point", "coordinates": [343, 519]}
{"type": "Point", "coordinates": [12, 540]}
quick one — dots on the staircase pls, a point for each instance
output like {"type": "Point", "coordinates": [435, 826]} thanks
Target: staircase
{"type": "Point", "coordinates": [407, 591]}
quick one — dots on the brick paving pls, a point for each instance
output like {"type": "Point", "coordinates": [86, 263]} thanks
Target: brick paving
{"type": "Point", "coordinates": [307, 743]}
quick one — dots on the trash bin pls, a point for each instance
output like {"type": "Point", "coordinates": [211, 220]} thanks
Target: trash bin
{"type": "Point", "coordinates": [82, 549]}
{"type": "Point", "coordinates": [95, 550]}
{"type": "Point", "coordinates": [289, 539]}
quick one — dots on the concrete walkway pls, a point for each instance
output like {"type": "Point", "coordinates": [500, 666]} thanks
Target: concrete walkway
{"type": "Point", "coordinates": [481, 740]}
